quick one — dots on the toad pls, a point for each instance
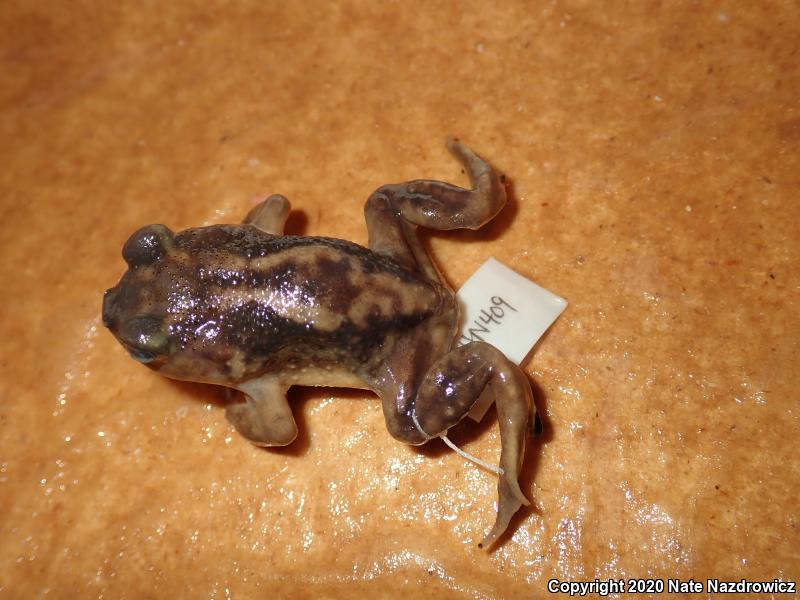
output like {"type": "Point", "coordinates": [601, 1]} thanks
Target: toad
{"type": "Point", "coordinates": [247, 307]}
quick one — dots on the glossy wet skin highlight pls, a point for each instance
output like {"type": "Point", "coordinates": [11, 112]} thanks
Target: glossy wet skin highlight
{"type": "Point", "coordinates": [249, 308]}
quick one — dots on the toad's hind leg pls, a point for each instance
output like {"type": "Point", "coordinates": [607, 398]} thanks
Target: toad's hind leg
{"type": "Point", "coordinates": [270, 215]}
{"type": "Point", "coordinates": [393, 212]}
{"type": "Point", "coordinates": [449, 390]}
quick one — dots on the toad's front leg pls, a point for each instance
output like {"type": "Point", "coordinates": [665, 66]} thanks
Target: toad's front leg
{"type": "Point", "coordinates": [453, 385]}
{"type": "Point", "coordinates": [264, 416]}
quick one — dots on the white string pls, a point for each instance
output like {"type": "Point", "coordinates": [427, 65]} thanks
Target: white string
{"type": "Point", "coordinates": [457, 450]}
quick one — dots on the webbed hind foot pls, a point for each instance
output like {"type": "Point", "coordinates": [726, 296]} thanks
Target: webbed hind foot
{"type": "Point", "coordinates": [453, 385]}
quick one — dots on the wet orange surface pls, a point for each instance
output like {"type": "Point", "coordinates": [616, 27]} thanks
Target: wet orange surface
{"type": "Point", "coordinates": [654, 158]}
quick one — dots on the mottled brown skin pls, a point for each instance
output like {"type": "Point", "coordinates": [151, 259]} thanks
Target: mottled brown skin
{"type": "Point", "coordinates": [249, 308]}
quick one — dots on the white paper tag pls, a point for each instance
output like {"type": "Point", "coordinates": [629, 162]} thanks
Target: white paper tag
{"type": "Point", "coordinates": [506, 310]}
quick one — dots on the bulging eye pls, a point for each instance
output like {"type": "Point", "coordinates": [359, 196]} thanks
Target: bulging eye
{"type": "Point", "coordinates": [145, 338]}
{"type": "Point", "coordinates": [147, 245]}
{"type": "Point", "coordinates": [143, 356]}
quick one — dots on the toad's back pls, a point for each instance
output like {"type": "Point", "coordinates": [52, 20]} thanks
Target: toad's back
{"type": "Point", "coordinates": [235, 291]}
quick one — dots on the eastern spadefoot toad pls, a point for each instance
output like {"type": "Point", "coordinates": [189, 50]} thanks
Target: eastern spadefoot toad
{"type": "Point", "coordinates": [247, 307]}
